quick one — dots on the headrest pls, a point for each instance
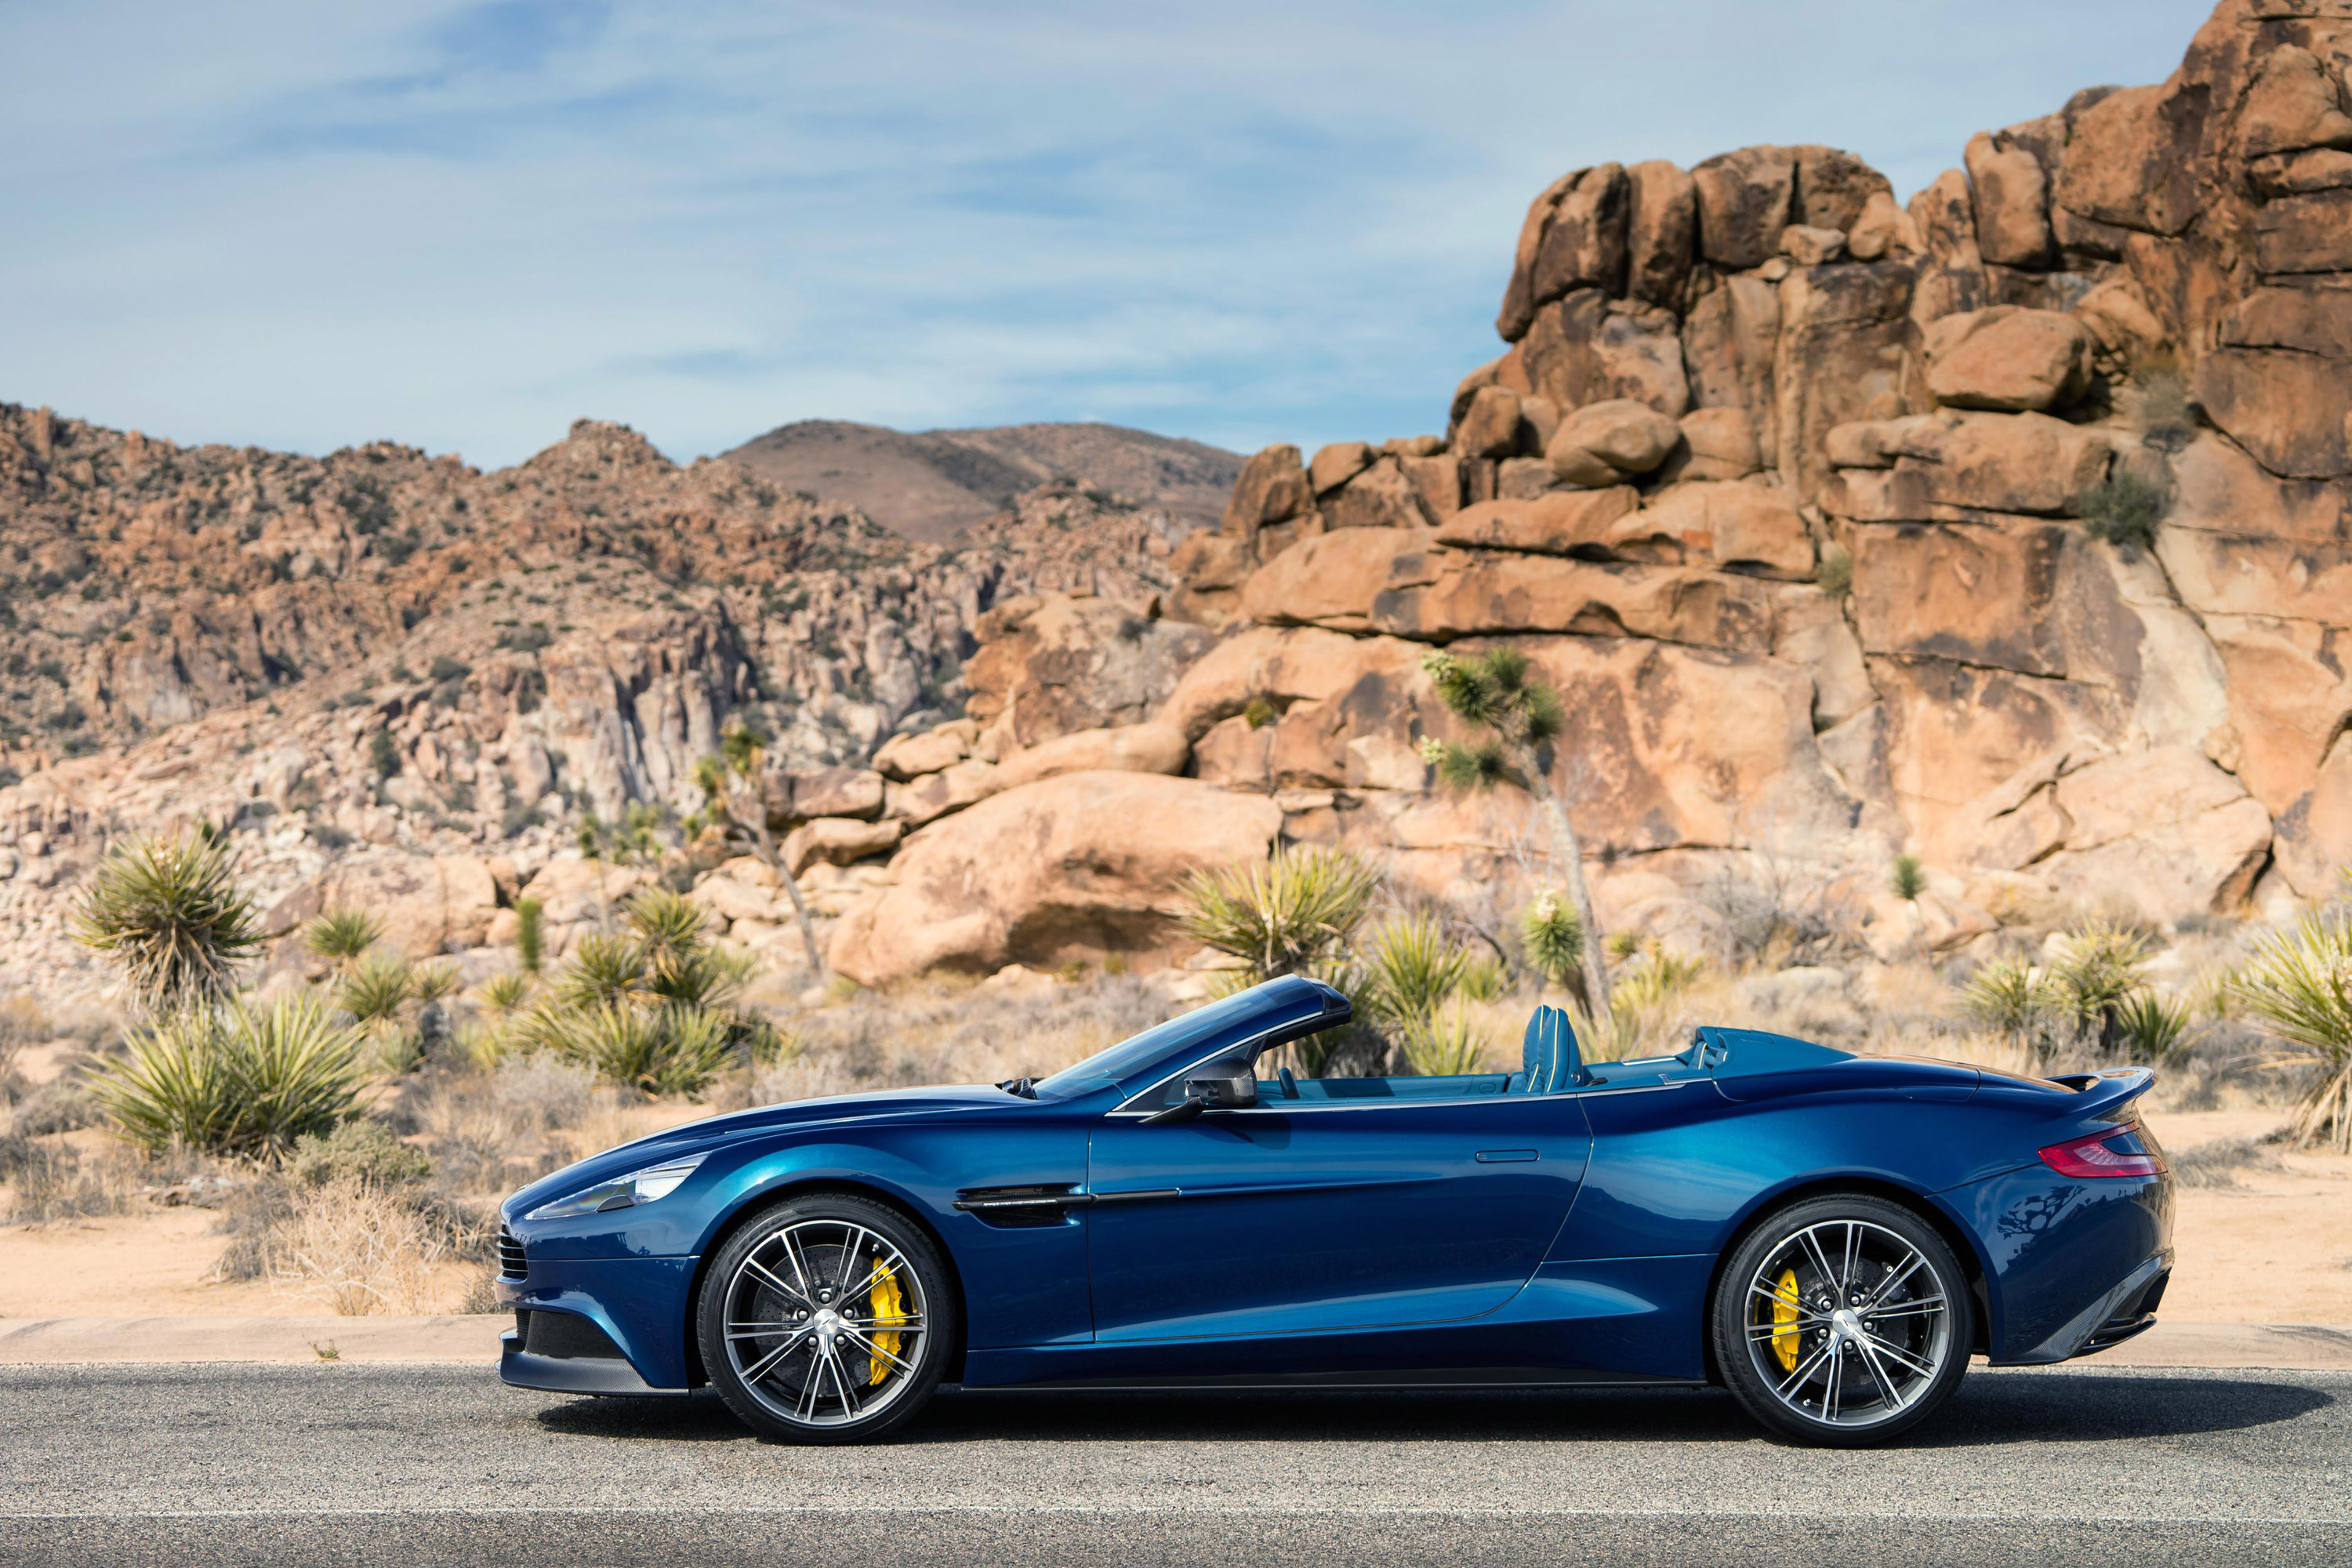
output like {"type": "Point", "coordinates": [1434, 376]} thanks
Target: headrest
{"type": "Point", "coordinates": [1548, 1057]}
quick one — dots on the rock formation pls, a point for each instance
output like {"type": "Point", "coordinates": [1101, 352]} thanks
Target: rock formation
{"type": "Point", "coordinates": [2006, 527]}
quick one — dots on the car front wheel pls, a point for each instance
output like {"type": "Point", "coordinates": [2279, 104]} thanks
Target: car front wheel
{"type": "Point", "coordinates": [826, 1318]}
{"type": "Point", "coordinates": [1842, 1320]}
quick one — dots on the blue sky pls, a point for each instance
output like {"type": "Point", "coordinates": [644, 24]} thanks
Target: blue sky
{"type": "Point", "coordinates": [303, 225]}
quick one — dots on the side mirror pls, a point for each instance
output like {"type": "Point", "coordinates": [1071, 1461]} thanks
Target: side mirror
{"type": "Point", "coordinates": [1222, 1086]}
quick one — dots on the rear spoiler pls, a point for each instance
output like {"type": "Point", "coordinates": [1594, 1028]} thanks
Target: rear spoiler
{"type": "Point", "coordinates": [2104, 1095]}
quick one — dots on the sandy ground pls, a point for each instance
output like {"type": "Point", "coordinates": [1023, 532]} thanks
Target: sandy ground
{"type": "Point", "coordinates": [2275, 1247]}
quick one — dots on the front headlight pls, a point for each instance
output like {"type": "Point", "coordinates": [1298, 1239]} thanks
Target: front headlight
{"type": "Point", "coordinates": [621, 1192]}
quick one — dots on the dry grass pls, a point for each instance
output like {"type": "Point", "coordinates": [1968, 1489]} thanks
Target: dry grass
{"type": "Point", "coordinates": [360, 1248]}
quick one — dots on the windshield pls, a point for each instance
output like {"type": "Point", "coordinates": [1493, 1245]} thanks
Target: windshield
{"type": "Point", "coordinates": [1137, 1052]}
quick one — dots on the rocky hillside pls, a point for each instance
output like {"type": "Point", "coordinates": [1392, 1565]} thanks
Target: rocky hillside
{"type": "Point", "coordinates": [931, 484]}
{"type": "Point", "coordinates": [380, 654]}
{"type": "Point", "coordinates": [2004, 528]}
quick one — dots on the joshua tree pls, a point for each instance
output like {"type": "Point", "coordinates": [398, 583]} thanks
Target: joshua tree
{"type": "Point", "coordinates": [171, 913]}
{"type": "Point", "coordinates": [735, 799]}
{"type": "Point", "coordinates": [1520, 717]}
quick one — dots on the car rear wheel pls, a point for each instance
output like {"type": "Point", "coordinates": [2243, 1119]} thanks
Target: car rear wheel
{"type": "Point", "coordinates": [1842, 1320]}
{"type": "Point", "coordinates": [826, 1318]}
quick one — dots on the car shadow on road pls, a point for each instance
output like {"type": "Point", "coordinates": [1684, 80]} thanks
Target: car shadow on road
{"type": "Point", "coordinates": [1991, 1408]}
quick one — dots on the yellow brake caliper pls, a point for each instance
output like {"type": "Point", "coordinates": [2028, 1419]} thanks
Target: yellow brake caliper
{"type": "Point", "coordinates": [1785, 1336]}
{"type": "Point", "coordinates": [888, 1304]}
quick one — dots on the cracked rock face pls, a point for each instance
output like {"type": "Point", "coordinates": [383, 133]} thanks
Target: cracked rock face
{"type": "Point", "coordinates": [2007, 527]}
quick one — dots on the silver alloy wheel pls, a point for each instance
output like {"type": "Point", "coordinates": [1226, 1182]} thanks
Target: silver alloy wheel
{"type": "Point", "coordinates": [824, 1318]}
{"type": "Point", "coordinates": [1847, 1323]}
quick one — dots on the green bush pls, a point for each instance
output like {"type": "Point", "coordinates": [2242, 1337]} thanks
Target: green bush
{"type": "Point", "coordinates": [235, 1080]}
{"type": "Point", "coordinates": [1552, 938]}
{"type": "Point", "coordinates": [341, 936]}
{"type": "Point", "coordinates": [2125, 509]}
{"type": "Point", "coordinates": [376, 989]}
{"type": "Point", "coordinates": [1909, 881]}
{"type": "Point", "coordinates": [2300, 984]}
{"type": "Point", "coordinates": [362, 1150]}
{"type": "Point", "coordinates": [1284, 915]}
{"type": "Point", "coordinates": [170, 913]}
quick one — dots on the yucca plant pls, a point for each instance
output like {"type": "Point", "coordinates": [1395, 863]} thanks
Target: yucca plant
{"type": "Point", "coordinates": [1411, 967]}
{"type": "Point", "coordinates": [2153, 1028]}
{"type": "Point", "coordinates": [1444, 1042]}
{"type": "Point", "coordinates": [602, 972]}
{"type": "Point", "coordinates": [1552, 937]}
{"type": "Point", "coordinates": [341, 936]}
{"type": "Point", "coordinates": [1519, 718]}
{"type": "Point", "coordinates": [661, 1051]}
{"type": "Point", "coordinates": [1282, 915]}
{"type": "Point", "coordinates": [2097, 969]}
{"type": "Point", "coordinates": [1908, 880]}
{"type": "Point", "coordinates": [233, 1080]}
{"type": "Point", "coordinates": [170, 913]}
{"type": "Point", "coordinates": [432, 982]}
{"type": "Point", "coordinates": [2015, 1000]}
{"type": "Point", "coordinates": [374, 990]}
{"type": "Point", "coordinates": [503, 993]}
{"type": "Point", "coordinates": [2299, 982]}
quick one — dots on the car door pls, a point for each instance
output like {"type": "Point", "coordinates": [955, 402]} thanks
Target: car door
{"type": "Point", "coordinates": [1349, 1212]}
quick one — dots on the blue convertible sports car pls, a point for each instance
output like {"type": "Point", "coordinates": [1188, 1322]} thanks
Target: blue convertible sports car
{"type": "Point", "coordinates": [1828, 1235]}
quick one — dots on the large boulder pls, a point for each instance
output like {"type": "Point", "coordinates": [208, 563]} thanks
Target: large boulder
{"type": "Point", "coordinates": [1603, 444]}
{"type": "Point", "coordinates": [1152, 747]}
{"type": "Point", "coordinates": [1954, 465]}
{"type": "Point", "coordinates": [2008, 359]}
{"type": "Point", "coordinates": [1049, 664]}
{"type": "Point", "coordinates": [1485, 592]}
{"type": "Point", "coordinates": [1381, 496]}
{"type": "Point", "coordinates": [2012, 200]}
{"type": "Point", "coordinates": [1744, 201]}
{"type": "Point", "coordinates": [1585, 245]}
{"type": "Point", "coordinates": [1750, 528]}
{"type": "Point", "coordinates": [1589, 348]}
{"type": "Point", "coordinates": [1272, 488]}
{"type": "Point", "coordinates": [425, 904]}
{"type": "Point", "coordinates": [1334, 579]}
{"type": "Point", "coordinates": [838, 841]}
{"type": "Point", "coordinates": [1559, 523]}
{"type": "Point", "coordinates": [2165, 832]}
{"type": "Point", "coordinates": [1661, 234]}
{"type": "Point", "coordinates": [1077, 866]}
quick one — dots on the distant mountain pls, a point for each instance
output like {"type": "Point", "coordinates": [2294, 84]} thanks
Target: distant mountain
{"type": "Point", "coordinates": [930, 484]}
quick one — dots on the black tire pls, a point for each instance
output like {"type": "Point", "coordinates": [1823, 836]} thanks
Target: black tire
{"type": "Point", "coordinates": [1843, 1321]}
{"type": "Point", "coordinates": [786, 1266]}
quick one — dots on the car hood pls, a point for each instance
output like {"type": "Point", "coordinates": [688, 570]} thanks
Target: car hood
{"type": "Point", "coordinates": [831, 1111]}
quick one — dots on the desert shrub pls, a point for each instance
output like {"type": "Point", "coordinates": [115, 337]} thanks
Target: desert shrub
{"type": "Point", "coordinates": [530, 942]}
{"type": "Point", "coordinates": [64, 1104]}
{"type": "Point", "coordinates": [341, 936]}
{"type": "Point", "coordinates": [1411, 967]}
{"type": "Point", "coordinates": [383, 754]}
{"type": "Point", "coordinates": [544, 1091]}
{"type": "Point", "coordinates": [2153, 1028]}
{"type": "Point", "coordinates": [361, 1247]}
{"type": "Point", "coordinates": [1285, 915]}
{"type": "Point", "coordinates": [171, 916]}
{"type": "Point", "coordinates": [2124, 508]}
{"type": "Point", "coordinates": [430, 983]}
{"type": "Point", "coordinates": [2299, 984]}
{"type": "Point", "coordinates": [50, 1181]}
{"type": "Point", "coordinates": [656, 1049]}
{"type": "Point", "coordinates": [2217, 1165]}
{"type": "Point", "coordinates": [360, 1149]}
{"type": "Point", "coordinates": [502, 994]}
{"type": "Point", "coordinates": [1445, 1040]}
{"type": "Point", "coordinates": [1259, 712]}
{"type": "Point", "coordinates": [443, 667]}
{"type": "Point", "coordinates": [601, 971]}
{"type": "Point", "coordinates": [1835, 572]}
{"type": "Point", "coordinates": [2014, 1000]}
{"type": "Point", "coordinates": [1551, 938]}
{"type": "Point", "coordinates": [238, 1078]}
{"type": "Point", "coordinates": [1908, 880]}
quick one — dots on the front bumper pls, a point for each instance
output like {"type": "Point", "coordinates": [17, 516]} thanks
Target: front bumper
{"type": "Point", "coordinates": [570, 1374]}
{"type": "Point", "coordinates": [640, 1305]}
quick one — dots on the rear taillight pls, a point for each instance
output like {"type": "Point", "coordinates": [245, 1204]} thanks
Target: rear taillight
{"type": "Point", "coordinates": [2122, 1152]}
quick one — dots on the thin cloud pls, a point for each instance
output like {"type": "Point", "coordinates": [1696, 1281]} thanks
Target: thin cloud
{"type": "Point", "coordinates": [463, 226]}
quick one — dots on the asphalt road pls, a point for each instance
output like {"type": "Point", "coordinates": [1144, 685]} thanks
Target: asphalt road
{"type": "Point", "coordinates": [334, 1465]}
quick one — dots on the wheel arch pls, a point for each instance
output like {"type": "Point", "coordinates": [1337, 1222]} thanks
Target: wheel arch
{"type": "Point", "coordinates": [1922, 1205]}
{"type": "Point", "coordinates": [752, 1203]}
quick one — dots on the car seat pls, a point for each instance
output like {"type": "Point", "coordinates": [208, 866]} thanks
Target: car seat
{"type": "Point", "coordinates": [1548, 1058]}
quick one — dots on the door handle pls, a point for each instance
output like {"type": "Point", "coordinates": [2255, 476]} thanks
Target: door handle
{"type": "Point", "coordinates": [1504, 1156]}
